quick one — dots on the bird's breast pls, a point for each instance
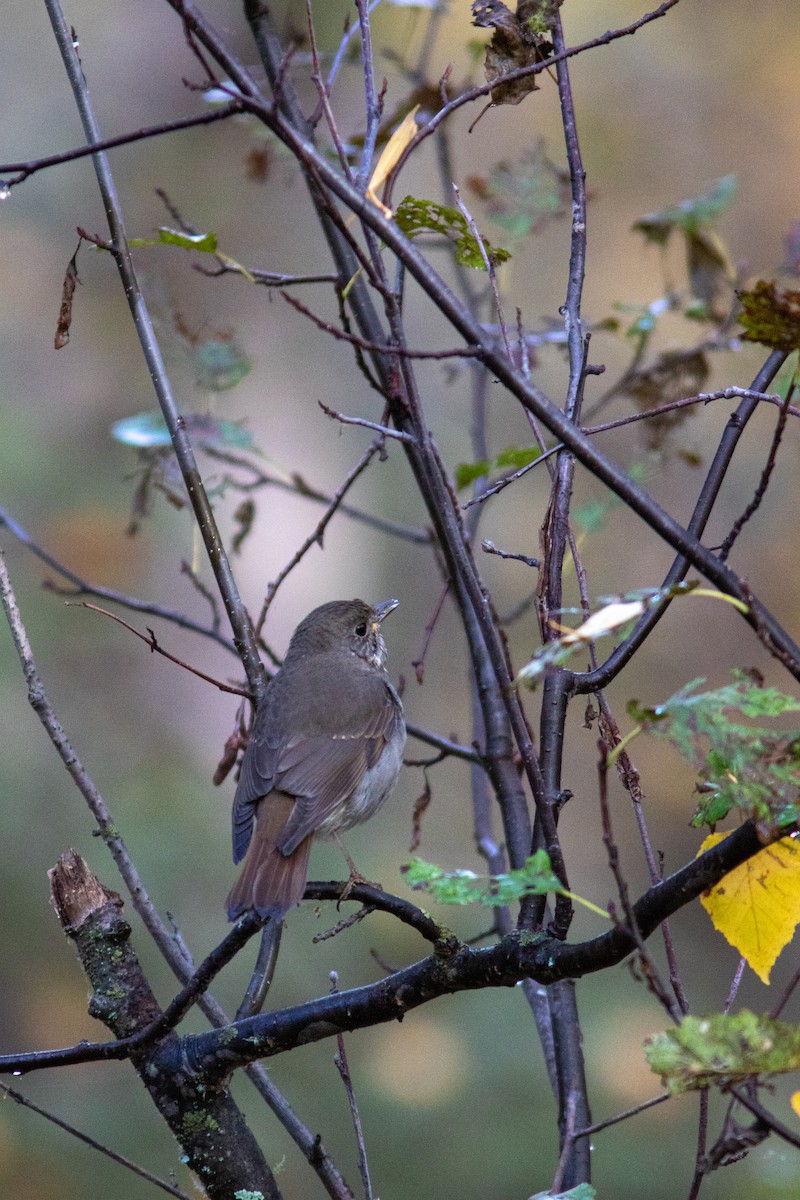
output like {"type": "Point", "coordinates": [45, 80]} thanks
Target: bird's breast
{"type": "Point", "coordinates": [370, 793]}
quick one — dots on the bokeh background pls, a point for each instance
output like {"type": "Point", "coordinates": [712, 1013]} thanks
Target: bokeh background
{"type": "Point", "coordinates": [456, 1099]}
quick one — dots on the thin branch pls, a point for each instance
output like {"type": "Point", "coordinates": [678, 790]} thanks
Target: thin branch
{"type": "Point", "coordinates": [237, 614]}
{"type": "Point", "coordinates": [24, 170]}
{"type": "Point", "coordinates": [446, 745]}
{"type": "Point", "coordinates": [763, 483]}
{"type": "Point", "coordinates": [152, 642]}
{"type": "Point", "coordinates": [322, 91]}
{"type": "Point", "coordinates": [264, 278]}
{"type": "Point", "coordinates": [629, 777]}
{"type": "Point", "coordinates": [373, 105]}
{"type": "Point", "coordinates": [490, 270]}
{"type": "Point", "coordinates": [763, 1114]}
{"type": "Point", "coordinates": [315, 538]}
{"type": "Point", "coordinates": [300, 487]}
{"type": "Point", "coordinates": [142, 1172]}
{"type": "Point", "coordinates": [342, 1066]}
{"type": "Point", "coordinates": [623, 1116]}
{"type": "Point", "coordinates": [729, 393]}
{"type": "Point", "coordinates": [383, 430]}
{"type": "Point", "coordinates": [419, 663]}
{"type": "Point", "coordinates": [83, 587]}
{"type": "Point", "coordinates": [490, 548]}
{"type": "Point", "coordinates": [342, 335]}
{"type": "Point", "coordinates": [505, 480]}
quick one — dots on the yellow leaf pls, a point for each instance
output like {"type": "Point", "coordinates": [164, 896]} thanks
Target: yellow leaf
{"type": "Point", "coordinates": [795, 1102]}
{"type": "Point", "coordinates": [406, 131]}
{"type": "Point", "coordinates": [757, 905]}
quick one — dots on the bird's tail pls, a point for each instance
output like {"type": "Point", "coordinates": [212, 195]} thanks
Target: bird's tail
{"type": "Point", "coordinates": [270, 882]}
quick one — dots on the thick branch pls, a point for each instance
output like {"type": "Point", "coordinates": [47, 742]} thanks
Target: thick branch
{"type": "Point", "coordinates": [215, 1139]}
{"type": "Point", "coordinates": [454, 967]}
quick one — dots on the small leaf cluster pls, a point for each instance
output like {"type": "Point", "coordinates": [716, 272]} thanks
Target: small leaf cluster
{"type": "Point", "coordinates": [751, 767]}
{"type": "Point", "coordinates": [535, 878]}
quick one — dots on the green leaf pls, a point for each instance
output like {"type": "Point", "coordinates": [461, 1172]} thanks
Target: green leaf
{"type": "Point", "coordinates": [206, 243]}
{"type": "Point", "coordinates": [535, 878]}
{"type": "Point", "coordinates": [220, 363]}
{"type": "Point", "coordinates": [467, 473]}
{"type": "Point", "coordinates": [415, 216]}
{"type": "Point", "coordinates": [584, 1191]}
{"type": "Point", "coordinates": [522, 197]}
{"type": "Point", "coordinates": [513, 456]}
{"type": "Point", "coordinates": [720, 1049]}
{"type": "Point", "coordinates": [771, 316]}
{"type": "Point", "coordinates": [149, 431]}
{"type": "Point", "coordinates": [751, 767]}
{"type": "Point", "coordinates": [517, 456]}
{"type": "Point", "coordinates": [689, 216]}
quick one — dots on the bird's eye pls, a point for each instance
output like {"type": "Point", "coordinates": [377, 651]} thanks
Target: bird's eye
{"type": "Point", "coordinates": [361, 630]}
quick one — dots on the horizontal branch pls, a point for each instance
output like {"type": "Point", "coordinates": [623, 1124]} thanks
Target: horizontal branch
{"type": "Point", "coordinates": [453, 967]}
{"type": "Point", "coordinates": [21, 171]}
{"type": "Point", "coordinates": [83, 587]}
{"type": "Point", "coordinates": [456, 968]}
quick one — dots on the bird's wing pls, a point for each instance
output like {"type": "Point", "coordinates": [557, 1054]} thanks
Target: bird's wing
{"type": "Point", "coordinates": [303, 745]}
{"type": "Point", "coordinates": [322, 772]}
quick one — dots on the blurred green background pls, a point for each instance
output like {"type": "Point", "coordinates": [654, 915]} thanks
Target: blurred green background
{"type": "Point", "coordinates": [454, 1101]}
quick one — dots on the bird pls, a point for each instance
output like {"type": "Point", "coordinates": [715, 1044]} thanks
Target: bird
{"type": "Point", "coordinates": [323, 755]}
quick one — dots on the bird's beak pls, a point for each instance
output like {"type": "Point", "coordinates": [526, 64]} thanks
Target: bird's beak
{"type": "Point", "coordinates": [383, 609]}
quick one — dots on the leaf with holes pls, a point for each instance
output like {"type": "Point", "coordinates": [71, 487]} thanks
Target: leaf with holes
{"type": "Point", "coordinates": [415, 216]}
{"type": "Point", "coordinates": [771, 316]}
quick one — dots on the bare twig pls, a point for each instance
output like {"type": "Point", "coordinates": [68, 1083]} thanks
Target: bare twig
{"type": "Point", "coordinates": [341, 1064]}
{"type": "Point", "coordinates": [82, 587]}
{"type": "Point", "coordinates": [384, 430]}
{"type": "Point", "coordinates": [169, 1188]}
{"type": "Point", "coordinates": [378, 348]}
{"type": "Point", "coordinates": [152, 642]}
{"type": "Point", "coordinates": [18, 172]}
{"type": "Point", "coordinates": [300, 487]}
{"type": "Point", "coordinates": [623, 1116]}
{"type": "Point", "coordinates": [237, 614]}
{"type": "Point", "coordinates": [315, 538]}
{"type": "Point", "coordinates": [763, 483]}
{"type": "Point", "coordinates": [490, 548]}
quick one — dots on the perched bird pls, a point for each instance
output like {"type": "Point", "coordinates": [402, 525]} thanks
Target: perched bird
{"type": "Point", "coordinates": [324, 753]}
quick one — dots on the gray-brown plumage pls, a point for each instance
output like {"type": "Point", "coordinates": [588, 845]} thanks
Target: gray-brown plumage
{"type": "Point", "coordinates": [324, 753]}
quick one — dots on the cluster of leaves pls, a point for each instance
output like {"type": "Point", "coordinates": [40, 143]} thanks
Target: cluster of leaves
{"type": "Point", "coordinates": [522, 197]}
{"type": "Point", "coordinates": [751, 767]}
{"type": "Point", "coordinates": [534, 878]}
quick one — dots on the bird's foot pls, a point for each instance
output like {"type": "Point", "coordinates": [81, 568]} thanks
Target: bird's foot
{"type": "Point", "coordinates": [354, 879]}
